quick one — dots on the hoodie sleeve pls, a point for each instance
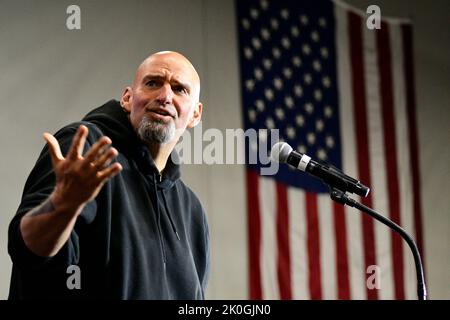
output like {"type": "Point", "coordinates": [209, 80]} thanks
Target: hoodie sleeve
{"type": "Point", "coordinates": [206, 272]}
{"type": "Point", "coordinates": [38, 187]}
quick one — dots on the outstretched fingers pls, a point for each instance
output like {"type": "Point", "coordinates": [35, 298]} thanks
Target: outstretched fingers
{"type": "Point", "coordinates": [54, 149]}
{"type": "Point", "coordinates": [96, 151]}
{"type": "Point", "coordinates": [106, 158]}
{"type": "Point", "coordinates": [109, 172]}
{"type": "Point", "coordinates": [76, 149]}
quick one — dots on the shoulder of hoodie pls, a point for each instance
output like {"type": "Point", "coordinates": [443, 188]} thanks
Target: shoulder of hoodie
{"type": "Point", "coordinates": [94, 132]}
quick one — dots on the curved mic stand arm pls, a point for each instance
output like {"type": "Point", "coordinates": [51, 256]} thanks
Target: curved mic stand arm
{"type": "Point", "coordinates": [340, 197]}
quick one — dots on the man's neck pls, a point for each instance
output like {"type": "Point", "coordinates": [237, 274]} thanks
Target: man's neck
{"type": "Point", "coordinates": [160, 153]}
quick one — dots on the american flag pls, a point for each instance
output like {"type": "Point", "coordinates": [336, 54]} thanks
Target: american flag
{"type": "Point", "coordinates": [341, 93]}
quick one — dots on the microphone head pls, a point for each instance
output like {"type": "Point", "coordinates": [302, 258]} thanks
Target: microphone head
{"type": "Point", "coordinates": [280, 152]}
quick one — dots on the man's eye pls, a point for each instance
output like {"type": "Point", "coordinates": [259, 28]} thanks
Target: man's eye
{"type": "Point", "coordinates": [180, 89]}
{"type": "Point", "coordinates": [151, 83]}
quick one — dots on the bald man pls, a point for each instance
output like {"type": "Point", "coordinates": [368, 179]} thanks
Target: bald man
{"type": "Point", "coordinates": [104, 213]}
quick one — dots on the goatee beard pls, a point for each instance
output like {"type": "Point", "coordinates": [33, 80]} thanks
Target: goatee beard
{"type": "Point", "coordinates": [156, 131]}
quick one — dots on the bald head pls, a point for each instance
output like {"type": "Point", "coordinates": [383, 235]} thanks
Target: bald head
{"type": "Point", "coordinates": [171, 61]}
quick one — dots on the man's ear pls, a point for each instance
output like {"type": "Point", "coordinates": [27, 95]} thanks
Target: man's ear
{"type": "Point", "coordinates": [126, 99]}
{"type": "Point", "coordinates": [196, 115]}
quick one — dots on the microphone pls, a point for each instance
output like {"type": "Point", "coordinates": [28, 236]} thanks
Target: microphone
{"type": "Point", "coordinates": [283, 153]}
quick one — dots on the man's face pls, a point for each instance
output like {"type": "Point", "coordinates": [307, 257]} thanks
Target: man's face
{"type": "Point", "coordinates": [163, 100]}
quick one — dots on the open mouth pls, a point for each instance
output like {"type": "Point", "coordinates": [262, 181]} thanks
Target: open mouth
{"type": "Point", "coordinates": [162, 112]}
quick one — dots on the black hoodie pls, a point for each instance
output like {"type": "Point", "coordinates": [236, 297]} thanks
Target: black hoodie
{"type": "Point", "coordinates": [145, 236]}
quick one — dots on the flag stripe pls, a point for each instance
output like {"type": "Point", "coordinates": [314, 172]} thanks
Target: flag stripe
{"type": "Point", "coordinates": [283, 258]}
{"type": "Point", "coordinates": [389, 129]}
{"type": "Point", "coordinates": [378, 166]}
{"type": "Point", "coordinates": [327, 247]}
{"type": "Point", "coordinates": [412, 130]}
{"type": "Point", "coordinates": [299, 257]}
{"type": "Point", "coordinates": [353, 217]}
{"type": "Point", "coordinates": [403, 156]}
{"type": "Point", "coordinates": [254, 235]}
{"type": "Point", "coordinates": [313, 243]}
{"type": "Point", "coordinates": [267, 194]}
{"type": "Point", "coordinates": [340, 232]}
{"type": "Point", "coordinates": [359, 107]}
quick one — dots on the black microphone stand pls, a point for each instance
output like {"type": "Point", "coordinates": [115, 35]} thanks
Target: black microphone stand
{"type": "Point", "coordinates": [340, 197]}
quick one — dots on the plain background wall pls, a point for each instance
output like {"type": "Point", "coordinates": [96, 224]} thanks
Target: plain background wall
{"type": "Point", "coordinates": [50, 76]}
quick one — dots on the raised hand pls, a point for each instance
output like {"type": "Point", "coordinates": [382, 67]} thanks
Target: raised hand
{"type": "Point", "coordinates": [80, 178]}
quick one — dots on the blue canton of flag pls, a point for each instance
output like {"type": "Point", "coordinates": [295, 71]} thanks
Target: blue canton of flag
{"type": "Point", "coordinates": [288, 72]}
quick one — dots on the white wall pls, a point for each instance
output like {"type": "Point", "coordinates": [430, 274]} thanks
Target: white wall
{"type": "Point", "coordinates": [51, 76]}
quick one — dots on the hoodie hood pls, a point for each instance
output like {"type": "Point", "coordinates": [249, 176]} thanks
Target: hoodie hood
{"type": "Point", "coordinates": [114, 122]}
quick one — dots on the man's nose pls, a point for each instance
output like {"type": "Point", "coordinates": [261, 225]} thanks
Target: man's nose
{"type": "Point", "coordinates": [165, 95]}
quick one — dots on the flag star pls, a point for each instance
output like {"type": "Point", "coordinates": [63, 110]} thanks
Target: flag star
{"type": "Point", "coordinates": [264, 4]}
{"type": "Point", "coordinates": [318, 95]}
{"type": "Point", "coordinates": [287, 72]}
{"type": "Point", "coordinates": [274, 23]}
{"type": "Point", "coordinates": [324, 52]}
{"type": "Point", "coordinates": [304, 19]}
{"type": "Point", "coordinates": [245, 24]}
{"type": "Point", "coordinates": [319, 125]}
{"type": "Point", "coordinates": [311, 138]}
{"type": "Point", "coordinates": [279, 113]}
{"type": "Point", "coordinates": [258, 74]}
{"type": "Point", "coordinates": [276, 52]}
{"type": "Point", "coordinates": [250, 84]}
{"type": "Point", "coordinates": [248, 53]}
{"type": "Point", "coordinates": [300, 120]}
{"type": "Point", "coordinates": [256, 43]}
{"type": "Point", "coordinates": [260, 105]}
{"type": "Point", "coordinates": [295, 31]}
{"type": "Point", "coordinates": [269, 94]}
{"type": "Point", "coordinates": [306, 49]}
{"type": "Point", "coordinates": [284, 14]}
{"type": "Point", "coordinates": [315, 36]}
{"type": "Point", "coordinates": [290, 132]}
{"type": "Point", "coordinates": [302, 148]}
{"type": "Point", "coordinates": [317, 65]}
{"type": "Point", "coordinates": [252, 115]}
{"type": "Point", "coordinates": [296, 61]}
{"type": "Point", "coordinates": [321, 154]}
{"type": "Point", "coordinates": [289, 102]}
{"type": "Point", "coordinates": [285, 42]}
{"type": "Point", "coordinates": [328, 112]}
{"type": "Point", "coordinates": [322, 22]}
{"type": "Point", "coordinates": [278, 83]}
{"type": "Point", "coordinates": [309, 107]}
{"type": "Point", "coordinates": [298, 90]}
{"type": "Point", "coordinates": [265, 34]}
{"type": "Point", "coordinates": [326, 82]}
{"type": "Point", "coordinates": [267, 63]}
{"type": "Point", "coordinates": [270, 124]}
{"type": "Point", "coordinates": [329, 141]}
{"type": "Point", "coordinates": [308, 79]}
{"type": "Point", "coordinates": [254, 13]}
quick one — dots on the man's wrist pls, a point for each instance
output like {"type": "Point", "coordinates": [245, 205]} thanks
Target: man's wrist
{"type": "Point", "coordinates": [60, 204]}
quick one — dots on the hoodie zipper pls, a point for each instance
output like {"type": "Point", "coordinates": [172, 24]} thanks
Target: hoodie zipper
{"type": "Point", "coordinates": [158, 219]}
